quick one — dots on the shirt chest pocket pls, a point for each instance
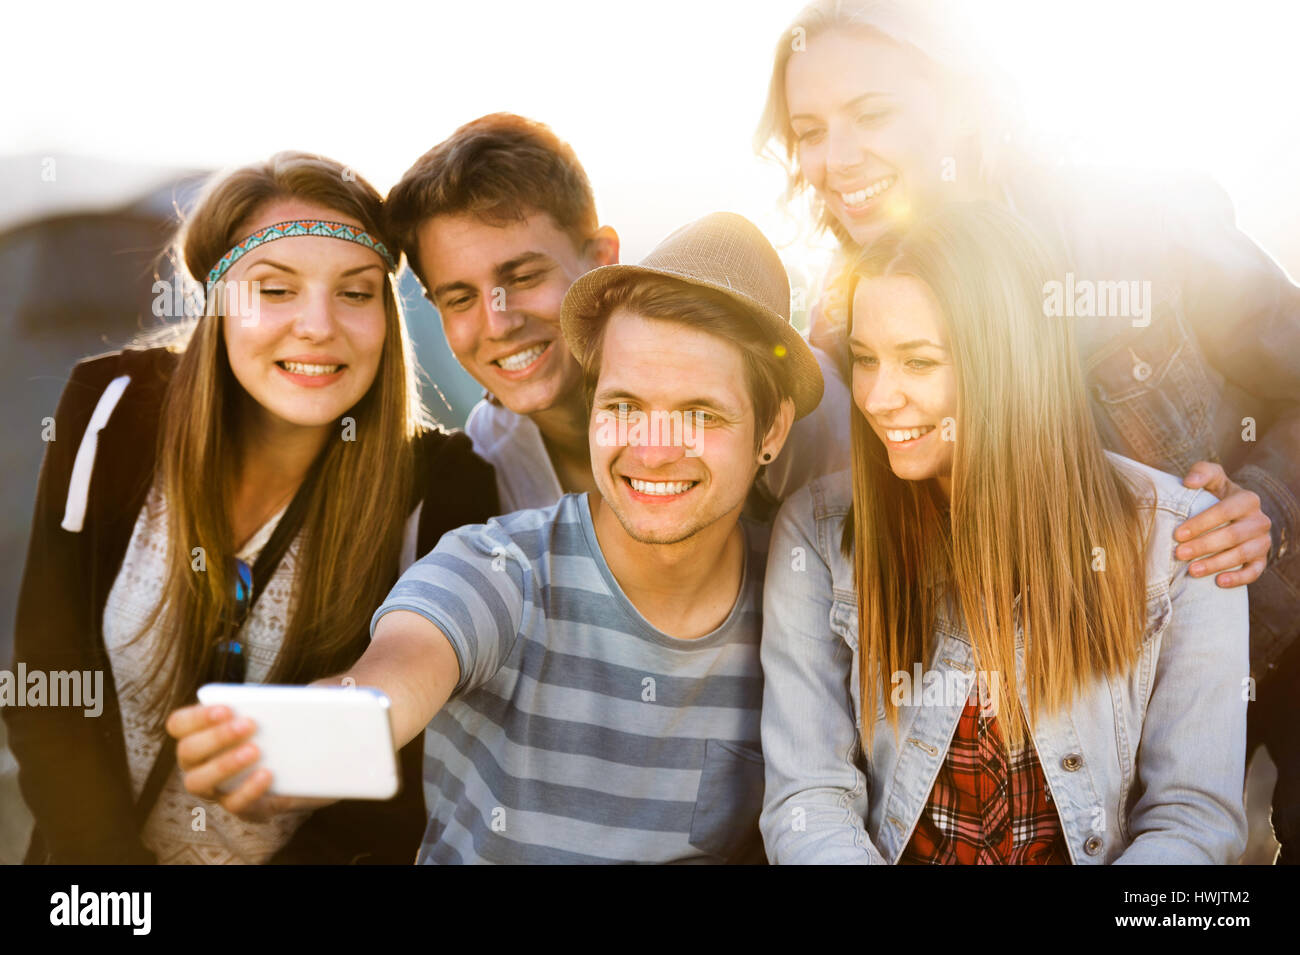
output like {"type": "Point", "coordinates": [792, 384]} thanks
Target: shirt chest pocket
{"type": "Point", "coordinates": [844, 624]}
{"type": "Point", "coordinates": [1159, 613]}
{"type": "Point", "coordinates": [728, 802]}
{"type": "Point", "coordinates": [1155, 394]}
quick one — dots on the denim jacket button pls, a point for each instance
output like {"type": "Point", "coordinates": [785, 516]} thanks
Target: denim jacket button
{"type": "Point", "coordinates": [1093, 845]}
{"type": "Point", "coordinates": [1141, 370]}
{"type": "Point", "coordinates": [1072, 762]}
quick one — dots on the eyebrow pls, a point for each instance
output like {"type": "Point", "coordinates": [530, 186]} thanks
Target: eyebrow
{"type": "Point", "coordinates": [700, 401]}
{"type": "Point", "coordinates": [504, 268]}
{"type": "Point", "coordinates": [284, 268]}
{"type": "Point", "coordinates": [903, 346]}
{"type": "Point", "coordinates": [528, 258]}
{"type": "Point", "coordinates": [852, 104]}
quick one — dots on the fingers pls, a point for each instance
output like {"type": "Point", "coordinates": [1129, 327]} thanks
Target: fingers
{"type": "Point", "coordinates": [1237, 505]}
{"type": "Point", "coordinates": [1207, 475]}
{"type": "Point", "coordinates": [246, 800]}
{"type": "Point", "coordinates": [1233, 533]}
{"type": "Point", "coordinates": [204, 779]}
{"type": "Point", "coordinates": [1248, 574]}
{"type": "Point", "coordinates": [1218, 540]}
{"type": "Point", "coordinates": [203, 743]}
{"type": "Point", "coordinates": [1253, 549]}
{"type": "Point", "coordinates": [208, 750]}
{"type": "Point", "coordinates": [190, 719]}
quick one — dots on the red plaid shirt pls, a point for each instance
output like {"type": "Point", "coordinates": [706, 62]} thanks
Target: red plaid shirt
{"type": "Point", "coordinates": [986, 809]}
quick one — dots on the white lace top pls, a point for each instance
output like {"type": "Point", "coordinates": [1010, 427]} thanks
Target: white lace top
{"type": "Point", "coordinates": [182, 828]}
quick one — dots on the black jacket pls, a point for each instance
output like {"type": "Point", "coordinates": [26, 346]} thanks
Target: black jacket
{"type": "Point", "coordinates": [73, 769]}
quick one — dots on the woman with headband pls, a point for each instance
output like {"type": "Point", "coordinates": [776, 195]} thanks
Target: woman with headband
{"type": "Point", "coordinates": [232, 506]}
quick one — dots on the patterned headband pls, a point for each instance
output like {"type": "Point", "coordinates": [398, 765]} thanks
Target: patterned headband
{"type": "Point", "coordinates": [297, 227]}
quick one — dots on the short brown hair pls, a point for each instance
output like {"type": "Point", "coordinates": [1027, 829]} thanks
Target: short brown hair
{"type": "Point", "coordinates": [666, 299]}
{"type": "Point", "coordinates": [498, 168]}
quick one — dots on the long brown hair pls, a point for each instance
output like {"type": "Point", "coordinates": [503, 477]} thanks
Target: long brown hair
{"type": "Point", "coordinates": [354, 520]}
{"type": "Point", "coordinates": [1038, 513]}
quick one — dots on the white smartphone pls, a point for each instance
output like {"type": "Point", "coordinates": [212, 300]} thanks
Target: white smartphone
{"type": "Point", "coordinates": [321, 742]}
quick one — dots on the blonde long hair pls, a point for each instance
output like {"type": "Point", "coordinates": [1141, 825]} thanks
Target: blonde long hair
{"type": "Point", "coordinates": [1033, 494]}
{"type": "Point", "coordinates": [353, 524]}
{"type": "Point", "coordinates": [932, 30]}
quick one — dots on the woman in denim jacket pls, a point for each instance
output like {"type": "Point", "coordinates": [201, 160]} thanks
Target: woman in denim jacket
{"type": "Point", "coordinates": [885, 108]}
{"type": "Point", "coordinates": [983, 531]}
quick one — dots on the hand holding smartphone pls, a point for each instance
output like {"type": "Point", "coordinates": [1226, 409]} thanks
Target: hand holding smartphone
{"type": "Point", "coordinates": [318, 742]}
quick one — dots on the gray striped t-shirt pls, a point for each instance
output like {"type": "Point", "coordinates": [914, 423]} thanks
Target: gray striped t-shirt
{"type": "Point", "coordinates": [578, 731]}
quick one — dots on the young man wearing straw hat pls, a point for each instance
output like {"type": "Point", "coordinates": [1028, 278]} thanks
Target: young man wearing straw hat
{"type": "Point", "coordinates": [589, 672]}
{"type": "Point", "coordinates": [497, 221]}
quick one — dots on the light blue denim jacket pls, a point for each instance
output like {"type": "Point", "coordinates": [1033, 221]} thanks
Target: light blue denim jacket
{"type": "Point", "coordinates": [1145, 768]}
{"type": "Point", "coordinates": [1219, 347]}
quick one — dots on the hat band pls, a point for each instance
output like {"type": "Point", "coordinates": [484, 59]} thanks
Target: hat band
{"type": "Point", "coordinates": [300, 227]}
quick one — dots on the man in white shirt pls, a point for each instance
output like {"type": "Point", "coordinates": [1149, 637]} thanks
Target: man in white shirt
{"type": "Point", "coordinates": [497, 222]}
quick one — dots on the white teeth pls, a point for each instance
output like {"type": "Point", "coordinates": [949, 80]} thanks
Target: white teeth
{"type": "Point", "coordinates": [302, 368]}
{"type": "Point", "coordinates": [660, 487]}
{"type": "Point", "coordinates": [521, 359]}
{"type": "Point", "coordinates": [908, 434]}
{"type": "Point", "coordinates": [870, 192]}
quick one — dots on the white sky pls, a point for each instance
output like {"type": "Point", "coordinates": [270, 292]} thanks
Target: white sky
{"type": "Point", "coordinates": [659, 98]}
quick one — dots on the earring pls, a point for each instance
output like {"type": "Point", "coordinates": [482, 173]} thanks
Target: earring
{"type": "Point", "coordinates": [767, 456]}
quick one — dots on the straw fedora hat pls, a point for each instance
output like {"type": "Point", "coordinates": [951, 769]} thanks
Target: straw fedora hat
{"type": "Point", "coordinates": [724, 252]}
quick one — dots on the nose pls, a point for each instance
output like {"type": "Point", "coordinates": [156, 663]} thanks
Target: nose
{"type": "Point", "coordinates": [499, 319]}
{"type": "Point", "coordinates": [654, 444]}
{"type": "Point", "coordinates": [843, 148]}
{"type": "Point", "coordinates": [314, 320]}
{"type": "Point", "coordinates": [884, 396]}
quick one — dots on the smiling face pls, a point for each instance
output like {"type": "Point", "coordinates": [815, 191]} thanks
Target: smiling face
{"type": "Point", "coordinates": [872, 126]}
{"type": "Point", "coordinates": [904, 380]}
{"type": "Point", "coordinates": [498, 289]}
{"type": "Point", "coordinates": [659, 492]}
{"type": "Point", "coordinates": [315, 344]}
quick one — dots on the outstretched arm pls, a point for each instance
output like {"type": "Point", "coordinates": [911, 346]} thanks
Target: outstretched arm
{"type": "Point", "coordinates": [409, 659]}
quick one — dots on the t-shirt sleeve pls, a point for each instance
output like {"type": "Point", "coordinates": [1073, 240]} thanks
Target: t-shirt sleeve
{"type": "Point", "coordinates": [473, 587]}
